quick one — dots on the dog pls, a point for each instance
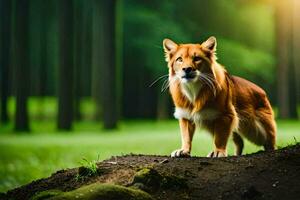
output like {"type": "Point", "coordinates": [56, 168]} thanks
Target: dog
{"type": "Point", "coordinates": [206, 95]}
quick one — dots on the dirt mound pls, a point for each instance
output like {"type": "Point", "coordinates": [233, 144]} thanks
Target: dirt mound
{"type": "Point", "coordinates": [263, 175]}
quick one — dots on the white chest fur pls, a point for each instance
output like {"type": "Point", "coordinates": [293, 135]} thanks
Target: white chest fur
{"type": "Point", "coordinates": [191, 90]}
{"type": "Point", "coordinates": [205, 114]}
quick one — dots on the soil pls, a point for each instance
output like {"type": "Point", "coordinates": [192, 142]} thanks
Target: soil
{"type": "Point", "coordinates": [262, 175]}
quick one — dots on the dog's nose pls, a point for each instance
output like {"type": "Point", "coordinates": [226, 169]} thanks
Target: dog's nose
{"type": "Point", "coordinates": [187, 69]}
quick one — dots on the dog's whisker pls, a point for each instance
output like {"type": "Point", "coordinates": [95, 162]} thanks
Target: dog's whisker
{"type": "Point", "coordinates": [165, 85]}
{"type": "Point", "coordinates": [210, 82]}
{"type": "Point", "coordinates": [212, 78]}
{"type": "Point", "coordinates": [207, 83]}
{"type": "Point", "coordinates": [158, 79]}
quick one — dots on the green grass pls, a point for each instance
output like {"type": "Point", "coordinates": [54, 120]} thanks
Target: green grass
{"type": "Point", "coordinates": [46, 107]}
{"type": "Point", "coordinates": [25, 157]}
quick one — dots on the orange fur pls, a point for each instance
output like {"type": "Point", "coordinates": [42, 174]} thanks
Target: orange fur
{"type": "Point", "coordinates": [221, 103]}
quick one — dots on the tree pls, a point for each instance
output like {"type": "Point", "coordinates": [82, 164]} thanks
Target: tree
{"type": "Point", "coordinates": [285, 80]}
{"type": "Point", "coordinates": [96, 57]}
{"type": "Point", "coordinates": [87, 36]}
{"type": "Point", "coordinates": [78, 54]}
{"type": "Point", "coordinates": [296, 46]}
{"type": "Point", "coordinates": [119, 54]}
{"type": "Point", "coordinates": [5, 48]}
{"type": "Point", "coordinates": [107, 52]}
{"type": "Point", "coordinates": [65, 87]}
{"type": "Point", "coordinates": [43, 64]}
{"type": "Point", "coordinates": [21, 62]}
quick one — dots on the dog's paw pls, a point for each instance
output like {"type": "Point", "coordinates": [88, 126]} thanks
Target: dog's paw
{"type": "Point", "coordinates": [217, 154]}
{"type": "Point", "coordinates": [180, 153]}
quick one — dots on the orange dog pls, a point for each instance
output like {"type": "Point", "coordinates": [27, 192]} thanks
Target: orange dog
{"type": "Point", "coordinates": [205, 94]}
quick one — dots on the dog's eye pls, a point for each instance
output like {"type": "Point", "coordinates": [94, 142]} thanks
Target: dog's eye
{"type": "Point", "coordinates": [179, 59]}
{"type": "Point", "coordinates": [197, 58]}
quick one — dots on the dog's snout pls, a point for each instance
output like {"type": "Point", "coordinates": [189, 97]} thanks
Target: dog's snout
{"type": "Point", "coordinates": [187, 69]}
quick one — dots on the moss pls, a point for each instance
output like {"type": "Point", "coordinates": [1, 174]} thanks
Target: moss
{"type": "Point", "coordinates": [103, 191]}
{"type": "Point", "coordinates": [151, 178]}
{"type": "Point", "coordinates": [148, 177]}
{"type": "Point", "coordinates": [46, 194]}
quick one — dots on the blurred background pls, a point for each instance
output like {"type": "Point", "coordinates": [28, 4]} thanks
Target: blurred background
{"type": "Point", "coordinates": [75, 75]}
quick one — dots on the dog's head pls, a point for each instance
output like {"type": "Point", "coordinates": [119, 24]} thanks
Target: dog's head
{"type": "Point", "coordinates": [189, 62]}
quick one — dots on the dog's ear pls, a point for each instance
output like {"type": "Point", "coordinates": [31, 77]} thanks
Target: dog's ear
{"type": "Point", "coordinates": [169, 48]}
{"type": "Point", "coordinates": [210, 44]}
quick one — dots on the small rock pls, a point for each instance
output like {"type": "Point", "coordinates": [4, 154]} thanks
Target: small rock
{"type": "Point", "coordinates": [140, 186]}
{"type": "Point", "coordinates": [164, 161]}
{"type": "Point", "coordinates": [275, 184]}
{"type": "Point", "coordinates": [112, 162]}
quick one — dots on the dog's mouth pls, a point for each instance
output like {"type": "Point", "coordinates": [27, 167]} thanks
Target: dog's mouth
{"type": "Point", "coordinates": [188, 77]}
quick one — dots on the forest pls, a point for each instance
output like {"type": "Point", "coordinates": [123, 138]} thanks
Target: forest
{"type": "Point", "coordinates": [58, 51]}
{"type": "Point", "coordinates": [88, 78]}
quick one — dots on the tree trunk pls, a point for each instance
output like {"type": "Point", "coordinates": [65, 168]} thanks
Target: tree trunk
{"type": "Point", "coordinates": [296, 48]}
{"type": "Point", "coordinates": [96, 58]}
{"type": "Point", "coordinates": [119, 55]}
{"type": "Point", "coordinates": [87, 34]}
{"type": "Point", "coordinates": [22, 68]}
{"type": "Point", "coordinates": [43, 65]}
{"type": "Point", "coordinates": [108, 64]}
{"type": "Point", "coordinates": [5, 49]}
{"type": "Point", "coordinates": [163, 105]}
{"type": "Point", "coordinates": [78, 52]}
{"type": "Point", "coordinates": [65, 89]}
{"type": "Point", "coordinates": [283, 36]}
{"type": "Point", "coordinates": [107, 53]}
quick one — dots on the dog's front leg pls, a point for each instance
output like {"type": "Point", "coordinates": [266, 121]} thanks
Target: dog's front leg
{"type": "Point", "coordinates": [187, 129]}
{"type": "Point", "coordinates": [222, 130]}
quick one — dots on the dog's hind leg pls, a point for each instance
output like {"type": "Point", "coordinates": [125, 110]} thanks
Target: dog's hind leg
{"type": "Point", "coordinates": [239, 143]}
